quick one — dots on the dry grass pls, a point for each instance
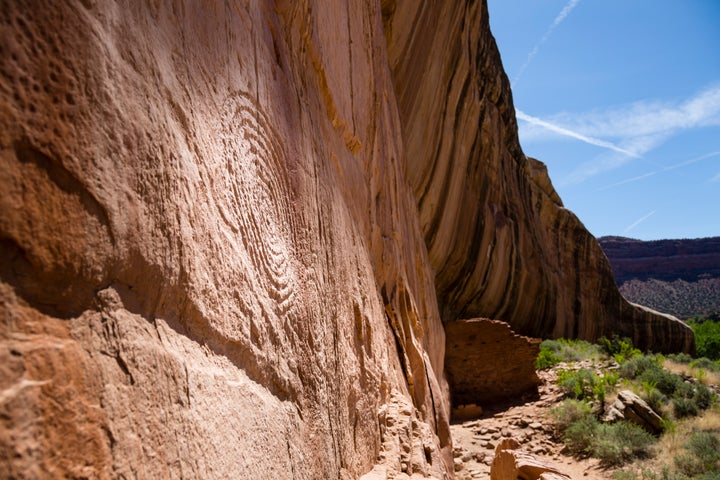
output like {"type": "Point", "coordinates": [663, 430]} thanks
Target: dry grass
{"type": "Point", "coordinates": [671, 443]}
{"type": "Point", "coordinates": [704, 376]}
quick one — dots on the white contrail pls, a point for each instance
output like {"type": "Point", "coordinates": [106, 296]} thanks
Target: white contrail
{"type": "Point", "coordinates": [639, 221]}
{"type": "Point", "coordinates": [569, 133]}
{"type": "Point", "coordinates": [664, 169]}
{"type": "Point", "coordinates": [558, 20]}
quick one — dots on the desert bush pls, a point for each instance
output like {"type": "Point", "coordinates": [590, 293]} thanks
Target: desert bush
{"type": "Point", "coordinates": [579, 436]}
{"type": "Point", "coordinates": [619, 348]}
{"type": "Point", "coordinates": [707, 338]}
{"type": "Point", "coordinates": [684, 407]}
{"type": "Point", "coordinates": [703, 396]}
{"type": "Point", "coordinates": [638, 365]}
{"type": "Point", "coordinates": [617, 443]}
{"type": "Point", "coordinates": [546, 358]}
{"type": "Point", "coordinates": [701, 458]}
{"type": "Point", "coordinates": [624, 475]}
{"type": "Point", "coordinates": [682, 358]}
{"type": "Point", "coordinates": [690, 398]}
{"type": "Point", "coordinates": [583, 434]}
{"type": "Point", "coordinates": [585, 384]}
{"type": "Point", "coordinates": [706, 447]}
{"type": "Point", "coordinates": [654, 398]}
{"type": "Point", "coordinates": [705, 363]}
{"type": "Point", "coordinates": [568, 350]}
{"type": "Point", "coordinates": [568, 412]}
{"type": "Point", "coordinates": [665, 381]}
{"type": "Point", "coordinates": [579, 384]}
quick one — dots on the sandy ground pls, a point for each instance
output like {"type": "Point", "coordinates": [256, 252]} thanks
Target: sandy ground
{"type": "Point", "coordinates": [529, 423]}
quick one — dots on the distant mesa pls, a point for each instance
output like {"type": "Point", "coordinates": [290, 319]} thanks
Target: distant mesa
{"type": "Point", "coordinates": [680, 277]}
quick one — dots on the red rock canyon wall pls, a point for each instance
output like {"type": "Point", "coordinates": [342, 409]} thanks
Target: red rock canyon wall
{"type": "Point", "coordinates": [499, 239]}
{"type": "Point", "coordinates": [212, 260]}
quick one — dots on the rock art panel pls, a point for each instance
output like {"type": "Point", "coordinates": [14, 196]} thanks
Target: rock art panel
{"type": "Point", "coordinates": [225, 227]}
{"type": "Point", "coordinates": [210, 250]}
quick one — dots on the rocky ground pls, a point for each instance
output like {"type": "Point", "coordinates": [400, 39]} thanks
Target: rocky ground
{"type": "Point", "coordinates": [528, 423]}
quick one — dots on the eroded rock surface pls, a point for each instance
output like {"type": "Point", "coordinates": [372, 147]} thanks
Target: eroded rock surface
{"type": "Point", "coordinates": [210, 251]}
{"type": "Point", "coordinates": [501, 242]}
{"type": "Point", "coordinates": [211, 245]}
{"type": "Point", "coordinates": [629, 406]}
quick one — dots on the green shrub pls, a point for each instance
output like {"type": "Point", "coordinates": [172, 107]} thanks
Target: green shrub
{"type": "Point", "coordinates": [705, 364]}
{"type": "Point", "coordinates": [619, 348]}
{"type": "Point", "coordinates": [579, 436]}
{"type": "Point", "coordinates": [579, 384]}
{"type": "Point", "coordinates": [706, 447]}
{"type": "Point", "coordinates": [714, 475]}
{"type": "Point", "coordinates": [690, 398]}
{"type": "Point", "coordinates": [684, 407]}
{"type": "Point", "coordinates": [654, 398]}
{"type": "Point", "coordinates": [702, 456]}
{"type": "Point", "coordinates": [568, 412]}
{"type": "Point", "coordinates": [665, 381]}
{"type": "Point", "coordinates": [568, 351]}
{"type": "Point", "coordinates": [707, 338]}
{"type": "Point", "coordinates": [546, 358]}
{"type": "Point", "coordinates": [624, 475]}
{"type": "Point", "coordinates": [682, 358]}
{"type": "Point", "coordinates": [703, 396]}
{"type": "Point", "coordinates": [617, 443]}
{"type": "Point", "coordinates": [585, 384]}
{"type": "Point", "coordinates": [636, 366]}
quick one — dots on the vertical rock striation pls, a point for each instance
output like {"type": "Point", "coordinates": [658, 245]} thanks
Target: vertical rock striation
{"type": "Point", "coordinates": [225, 227]}
{"type": "Point", "coordinates": [501, 242]}
{"type": "Point", "coordinates": [210, 251]}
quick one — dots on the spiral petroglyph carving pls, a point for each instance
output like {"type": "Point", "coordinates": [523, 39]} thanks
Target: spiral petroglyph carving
{"type": "Point", "coordinates": [254, 198]}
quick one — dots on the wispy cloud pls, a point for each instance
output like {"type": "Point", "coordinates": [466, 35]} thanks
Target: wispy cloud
{"type": "Point", "coordinates": [558, 20]}
{"type": "Point", "coordinates": [639, 221]}
{"type": "Point", "coordinates": [632, 130]}
{"type": "Point", "coordinates": [665, 169]}
{"type": "Point", "coordinates": [648, 119]}
{"type": "Point", "coordinates": [716, 178]}
{"type": "Point", "coordinates": [571, 133]}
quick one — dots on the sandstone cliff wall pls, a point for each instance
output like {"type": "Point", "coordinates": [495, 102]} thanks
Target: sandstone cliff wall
{"type": "Point", "coordinates": [501, 242]}
{"type": "Point", "coordinates": [212, 260]}
{"type": "Point", "coordinates": [212, 264]}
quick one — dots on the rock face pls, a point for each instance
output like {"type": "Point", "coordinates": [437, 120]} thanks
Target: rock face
{"type": "Point", "coordinates": [209, 248]}
{"type": "Point", "coordinates": [498, 237]}
{"type": "Point", "coordinates": [225, 228]}
{"type": "Point", "coordinates": [487, 362]}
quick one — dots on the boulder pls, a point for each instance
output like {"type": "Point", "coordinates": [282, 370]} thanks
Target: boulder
{"type": "Point", "coordinates": [510, 463]}
{"type": "Point", "coordinates": [628, 406]}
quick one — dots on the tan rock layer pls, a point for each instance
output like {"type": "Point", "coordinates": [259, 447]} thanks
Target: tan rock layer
{"type": "Point", "coordinates": [501, 242]}
{"type": "Point", "coordinates": [211, 260]}
{"type": "Point", "coordinates": [210, 240]}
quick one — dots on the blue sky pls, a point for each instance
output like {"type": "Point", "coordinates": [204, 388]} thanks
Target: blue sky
{"type": "Point", "coordinates": [621, 99]}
